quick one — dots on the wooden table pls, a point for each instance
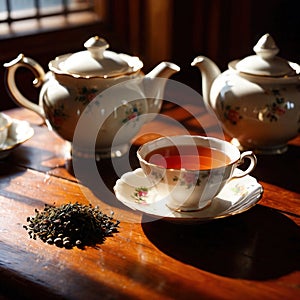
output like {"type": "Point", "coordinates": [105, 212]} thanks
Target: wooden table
{"type": "Point", "coordinates": [253, 255]}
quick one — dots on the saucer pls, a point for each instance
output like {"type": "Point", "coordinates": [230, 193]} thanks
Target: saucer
{"type": "Point", "coordinates": [18, 133]}
{"type": "Point", "coordinates": [135, 191]}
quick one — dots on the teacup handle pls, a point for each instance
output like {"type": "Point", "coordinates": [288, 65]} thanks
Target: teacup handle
{"type": "Point", "coordinates": [253, 161]}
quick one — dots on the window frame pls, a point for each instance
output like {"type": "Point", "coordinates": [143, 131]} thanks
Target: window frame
{"type": "Point", "coordinates": [38, 11]}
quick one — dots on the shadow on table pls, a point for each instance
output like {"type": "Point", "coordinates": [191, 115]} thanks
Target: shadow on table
{"type": "Point", "coordinates": [7, 173]}
{"type": "Point", "coordinates": [101, 176]}
{"type": "Point", "coordinates": [281, 169]}
{"type": "Point", "coordinates": [259, 244]}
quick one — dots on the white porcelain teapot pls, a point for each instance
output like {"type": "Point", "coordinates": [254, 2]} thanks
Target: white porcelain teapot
{"type": "Point", "coordinates": [74, 80]}
{"type": "Point", "coordinates": [257, 99]}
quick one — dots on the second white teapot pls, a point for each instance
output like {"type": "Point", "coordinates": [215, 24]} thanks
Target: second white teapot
{"type": "Point", "coordinates": [257, 99]}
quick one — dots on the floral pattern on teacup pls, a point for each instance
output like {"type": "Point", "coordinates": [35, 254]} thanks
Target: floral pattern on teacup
{"type": "Point", "coordinates": [239, 190]}
{"type": "Point", "coordinates": [187, 179]}
{"type": "Point", "coordinates": [141, 194]}
{"type": "Point", "coordinates": [158, 176]}
{"type": "Point", "coordinates": [190, 179]}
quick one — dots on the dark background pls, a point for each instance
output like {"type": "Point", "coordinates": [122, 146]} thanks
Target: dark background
{"type": "Point", "coordinates": [220, 29]}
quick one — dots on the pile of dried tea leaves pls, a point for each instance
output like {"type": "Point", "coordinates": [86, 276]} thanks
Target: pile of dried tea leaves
{"type": "Point", "coordinates": [70, 225]}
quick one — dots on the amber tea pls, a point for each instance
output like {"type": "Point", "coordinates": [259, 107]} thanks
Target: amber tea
{"type": "Point", "coordinates": [189, 157]}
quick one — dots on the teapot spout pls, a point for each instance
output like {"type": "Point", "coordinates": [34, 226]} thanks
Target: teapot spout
{"type": "Point", "coordinates": [154, 86]}
{"type": "Point", "coordinates": [209, 71]}
{"type": "Point", "coordinates": [155, 81]}
{"type": "Point", "coordinates": [163, 70]}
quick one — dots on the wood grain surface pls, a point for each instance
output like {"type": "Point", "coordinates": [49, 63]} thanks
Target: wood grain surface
{"type": "Point", "coordinates": [253, 255]}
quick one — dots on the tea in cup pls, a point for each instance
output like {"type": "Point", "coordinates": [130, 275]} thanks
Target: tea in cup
{"type": "Point", "coordinates": [193, 169]}
{"type": "Point", "coordinates": [5, 122]}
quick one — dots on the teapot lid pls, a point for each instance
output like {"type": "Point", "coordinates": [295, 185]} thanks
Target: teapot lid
{"type": "Point", "coordinates": [97, 61]}
{"type": "Point", "coordinates": [265, 62]}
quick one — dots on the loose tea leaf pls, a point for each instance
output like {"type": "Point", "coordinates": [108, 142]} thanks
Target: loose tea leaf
{"type": "Point", "coordinates": [71, 224]}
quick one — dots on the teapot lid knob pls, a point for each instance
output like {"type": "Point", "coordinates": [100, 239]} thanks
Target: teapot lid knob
{"type": "Point", "coordinates": [266, 47]}
{"type": "Point", "coordinates": [96, 46]}
{"type": "Point", "coordinates": [265, 62]}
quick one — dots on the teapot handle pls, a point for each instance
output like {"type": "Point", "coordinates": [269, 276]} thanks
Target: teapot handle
{"type": "Point", "coordinates": [36, 69]}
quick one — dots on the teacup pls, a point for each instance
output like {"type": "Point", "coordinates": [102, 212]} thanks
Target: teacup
{"type": "Point", "coordinates": [5, 122]}
{"type": "Point", "coordinates": [193, 169]}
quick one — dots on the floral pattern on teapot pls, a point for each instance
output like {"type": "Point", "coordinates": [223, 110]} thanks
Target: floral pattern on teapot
{"type": "Point", "coordinates": [272, 112]}
{"type": "Point", "coordinates": [232, 114]}
{"type": "Point", "coordinates": [131, 112]}
{"type": "Point", "coordinates": [86, 95]}
{"type": "Point", "coordinates": [56, 115]}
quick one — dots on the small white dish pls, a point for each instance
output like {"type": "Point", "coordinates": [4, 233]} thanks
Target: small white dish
{"type": "Point", "coordinates": [135, 191]}
{"type": "Point", "coordinates": [18, 133]}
